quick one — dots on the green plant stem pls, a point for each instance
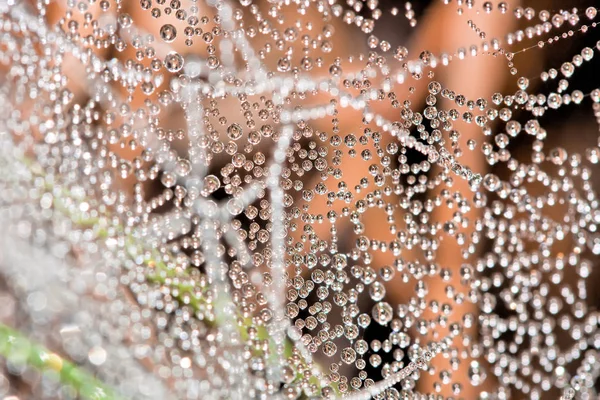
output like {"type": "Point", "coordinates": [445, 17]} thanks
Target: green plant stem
{"type": "Point", "coordinates": [15, 347]}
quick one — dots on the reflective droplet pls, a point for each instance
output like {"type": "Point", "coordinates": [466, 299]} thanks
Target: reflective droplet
{"type": "Point", "coordinates": [174, 62]}
{"type": "Point", "coordinates": [168, 33]}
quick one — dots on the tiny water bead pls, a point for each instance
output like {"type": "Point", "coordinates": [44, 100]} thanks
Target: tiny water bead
{"type": "Point", "coordinates": [168, 33]}
{"type": "Point", "coordinates": [174, 62]}
{"type": "Point", "coordinates": [289, 200]}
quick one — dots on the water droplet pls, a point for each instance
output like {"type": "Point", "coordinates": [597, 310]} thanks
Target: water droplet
{"type": "Point", "coordinates": [168, 33]}
{"type": "Point", "coordinates": [174, 62]}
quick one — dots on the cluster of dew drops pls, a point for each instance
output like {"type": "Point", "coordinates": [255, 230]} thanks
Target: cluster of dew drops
{"type": "Point", "coordinates": [196, 129]}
